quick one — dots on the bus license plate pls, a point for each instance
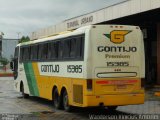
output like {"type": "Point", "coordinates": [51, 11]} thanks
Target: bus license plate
{"type": "Point", "coordinates": [121, 86]}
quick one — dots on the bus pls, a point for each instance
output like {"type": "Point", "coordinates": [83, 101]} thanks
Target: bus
{"type": "Point", "coordinates": [95, 65]}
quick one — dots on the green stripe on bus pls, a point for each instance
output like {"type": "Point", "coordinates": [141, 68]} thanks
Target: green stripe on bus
{"type": "Point", "coordinates": [31, 80]}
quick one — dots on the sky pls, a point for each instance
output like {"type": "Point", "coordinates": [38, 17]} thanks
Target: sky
{"type": "Point", "coordinates": [21, 17]}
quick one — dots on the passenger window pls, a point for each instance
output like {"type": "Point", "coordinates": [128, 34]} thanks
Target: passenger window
{"type": "Point", "coordinates": [16, 52]}
{"type": "Point", "coordinates": [66, 49]}
{"type": "Point", "coordinates": [80, 47]}
{"type": "Point", "coordinates": [53, 50]}
{"type": "Point", "coordinates": [43, 49]}
{"type": "Point", "coordinates": [34, 52]}
{"type": "Point", "coordinates": [21, 54]}
{"type": "Point", "coordinates": [26, 54]}
{"type": "Point", "coordinates": [60, 49]}
{"type": "Point", "coordinates": [73, 48]}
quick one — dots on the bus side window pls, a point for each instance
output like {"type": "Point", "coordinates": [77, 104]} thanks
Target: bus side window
{"type": "Point", "coordinates": [52, 50]}
{"type": "Point", "coordinates": [34, 52]}
{"type": "Point", "coordinates": [79, 44]}
{"type": "Point", "coordinates": [39, 51]}
{"type": "Point", "coordinates": [66, 49]}
{"type": "Point", "coordinates": [73, 48]}
{"type": "Point", "coordinates": [55, 55]}
{"type": "Point", "coordinates": [16, 52]}
{"type": "Point", "coordinates": [82, 47]}
{"type": "Point", "coordinates": [21, 54]}
{"type": "Point", "coordinates": [49, 54]}
{"type": "Point", "coordinates": [42, 53]}
{"type": "Point", "coordinates": [26, 54]}
{"type": "Point", "coordinates": [60, 49]}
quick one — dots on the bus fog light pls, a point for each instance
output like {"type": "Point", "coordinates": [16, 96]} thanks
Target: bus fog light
{"type": "Point", "coordinates": [97, 96]}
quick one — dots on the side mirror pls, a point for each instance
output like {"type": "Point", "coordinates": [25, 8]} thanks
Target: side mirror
{"type": "Point", "coordinates": [12, 65]}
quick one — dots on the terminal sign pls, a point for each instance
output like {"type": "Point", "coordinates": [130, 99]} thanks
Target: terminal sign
{"type": "Point", "coordinates": [80, 22]}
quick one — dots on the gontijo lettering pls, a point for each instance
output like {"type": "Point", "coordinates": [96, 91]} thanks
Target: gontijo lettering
{"type": "Point", "coordinates": [116, 49]}
{"type": "Point", "coordinates": [50, 68]}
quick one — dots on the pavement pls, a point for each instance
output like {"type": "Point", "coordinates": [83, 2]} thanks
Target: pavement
{"type": "Point", "coordinates": [12, 105]}
{"type": "Point", "coordinates": [6, 78]}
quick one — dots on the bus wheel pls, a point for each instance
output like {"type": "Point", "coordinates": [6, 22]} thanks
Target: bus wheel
{"type": "Point", "coordinates": [56, 99]}
{"type": "Point", "coordinates": [22, 91]}
{"type": "Point", "coordinates": [66, 105]}
{"type": "Point", "coordinates": [112, 108]}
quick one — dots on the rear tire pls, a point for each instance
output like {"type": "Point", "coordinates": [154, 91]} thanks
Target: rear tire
{"type": "Point", "coordinates": [66, 105]}
{"type": "Point", "coordinates": [56, 99]}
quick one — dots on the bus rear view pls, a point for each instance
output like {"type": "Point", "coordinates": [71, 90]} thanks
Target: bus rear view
{"type": "Point", "coordinates": [117, 66]}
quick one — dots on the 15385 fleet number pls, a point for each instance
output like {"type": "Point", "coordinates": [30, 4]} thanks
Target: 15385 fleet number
{"type": "Point", "coordinates": [74, 68]}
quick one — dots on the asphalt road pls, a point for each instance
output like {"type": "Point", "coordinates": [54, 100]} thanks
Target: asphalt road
{"type": "Point", "coordinates": [14, 107]}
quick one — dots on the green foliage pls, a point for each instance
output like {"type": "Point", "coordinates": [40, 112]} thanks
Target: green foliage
{"type": "Point", "coordinates": [4, 61]}
{"type": "Point", "coordinates": [24, 39]}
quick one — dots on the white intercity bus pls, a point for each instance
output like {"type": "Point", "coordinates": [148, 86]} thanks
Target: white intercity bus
{"type": "Point", "coordinates": [95, 65]}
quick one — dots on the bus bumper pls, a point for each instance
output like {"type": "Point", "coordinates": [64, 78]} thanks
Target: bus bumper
{"type": "Point", "coordinates": [114, 100]}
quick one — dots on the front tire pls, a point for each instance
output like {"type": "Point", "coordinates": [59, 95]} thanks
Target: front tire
{"type": "Point", "coordinates": [24, 94]}
{"type": "Point", "coordinates": [66, 105]}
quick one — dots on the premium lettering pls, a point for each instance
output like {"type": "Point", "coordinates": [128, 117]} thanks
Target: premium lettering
{"type": "Point", "coordinates": [117, 56]}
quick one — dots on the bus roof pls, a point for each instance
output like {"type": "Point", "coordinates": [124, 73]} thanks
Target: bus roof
{"type": "Point", "coordinates": [58, 36]}
{"type": "Point", "coordinates": [80, 30]}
